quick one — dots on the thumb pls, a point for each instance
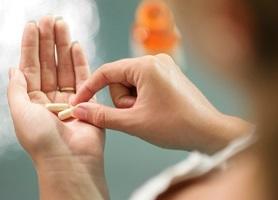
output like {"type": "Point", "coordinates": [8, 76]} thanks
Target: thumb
{"type": "Point", "coordinates": [121, 96]}
{"type": "Point", "coordinates": [17, 91]}
{"type": "Point", "coordinates": [102, 116]}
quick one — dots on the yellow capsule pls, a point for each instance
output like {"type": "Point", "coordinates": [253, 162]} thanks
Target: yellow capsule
{"type": "Point", "coordinates": [65, 114]}
{"type": "Point", "coordinates": [57, 107]}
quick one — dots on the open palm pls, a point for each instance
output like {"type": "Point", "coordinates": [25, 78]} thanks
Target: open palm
{"type": "Point", "coordinates": [52, 68]}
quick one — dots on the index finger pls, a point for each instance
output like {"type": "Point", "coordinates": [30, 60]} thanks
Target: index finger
{"type": "Point", "coordinates": [123, 71]}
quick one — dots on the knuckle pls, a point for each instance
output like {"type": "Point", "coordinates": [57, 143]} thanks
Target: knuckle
{"type": "Point", "coordinates": [104, 67]}
{"type": "Point", "coordinates": [35, 96]}
{"type": "Point", "coordinates": [30, 69]}
{"type": "Point", "coordinates": [98, 117]}
{"type": "Point", "coordinates": [150, 63]}
{"type": "Point", "coordinates": [88, 89]}
{"type": "Point", "coordinates": [150, 59]}
{"type": "Point", "coordinates": [66, 67]}
{"type": "Point", "coordinates": [166, 57]}
{"type": "Point", "coordinates": [163, 55]}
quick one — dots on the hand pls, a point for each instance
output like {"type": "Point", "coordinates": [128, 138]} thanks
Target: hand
{"type": "Point", "coordinates": [156, 102]}
{"type": "Point", "coordinates": [70, 151]}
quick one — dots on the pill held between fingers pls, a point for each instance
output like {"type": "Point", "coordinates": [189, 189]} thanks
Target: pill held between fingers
{"type": "Point", "coordinates": [57, 107]}
{"type": "Point", "coordinates": [65, 114]}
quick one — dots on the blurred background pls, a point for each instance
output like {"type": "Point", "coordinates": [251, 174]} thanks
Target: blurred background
{"type": "Point", "coordinates": [129, 161]}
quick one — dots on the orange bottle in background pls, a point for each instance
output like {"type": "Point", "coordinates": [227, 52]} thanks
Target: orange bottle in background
{"type": "Point", "coordinates": [155, 31]}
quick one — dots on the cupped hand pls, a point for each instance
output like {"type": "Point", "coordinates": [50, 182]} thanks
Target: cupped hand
{"type": "Point", "coordinates": [156, 102]}
{"type": "Point", "coordinates": [45, 77]}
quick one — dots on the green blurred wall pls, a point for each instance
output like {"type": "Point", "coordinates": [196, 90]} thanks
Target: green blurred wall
{"type": "Point", "coordinates": [129, 161]}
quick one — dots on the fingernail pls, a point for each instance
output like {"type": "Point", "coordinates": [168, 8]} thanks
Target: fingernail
{"type": "Point", "coordinates": [58, 18]}
{"type": "Point", "coordinates": [32, 22]}
{"type": "Point", "coordinates": [80, 112]}
{"type": "Point", "coordinates": [74, 43]}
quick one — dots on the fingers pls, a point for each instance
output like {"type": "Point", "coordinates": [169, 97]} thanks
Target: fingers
{"type": "Point", "coordinates": [102, 116]}
{"type": "Point", "coordinates": [123, 71]}
{"type": "Point", "coordinates": [121, 96]}
{"type": "Point", "coordinates": [17, 91]}
{"type": "Point", "coordinates": [81, 66]}
{"type": "Point", "coordinates": [66, 78]}
{"type": "Point", "coordinates": [47, 54]}
{"type": "Point", "coordinates": [29, 60]}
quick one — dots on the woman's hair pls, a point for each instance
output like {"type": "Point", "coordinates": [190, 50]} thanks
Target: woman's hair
{"type": "Point", "coordinates": [266, 34]}
{"type": "Point", "coordinates": [265, 13]}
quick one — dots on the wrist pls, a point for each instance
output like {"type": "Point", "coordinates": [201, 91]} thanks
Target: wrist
{"type": "Point", "coordinates": [71, 177]}
{"type": "Point", "coordinates": [213, 131]}
{"type": "Point", "coordinates": [225, 129]}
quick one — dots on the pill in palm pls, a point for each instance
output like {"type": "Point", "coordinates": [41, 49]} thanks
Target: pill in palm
{"type": "Point", "coordinates": [65, 114]}
{"type": "Point", "coordinates": [57, 107]}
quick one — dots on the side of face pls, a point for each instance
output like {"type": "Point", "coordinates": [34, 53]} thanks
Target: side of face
{"type": "Point", "coordinates": [218, 32]}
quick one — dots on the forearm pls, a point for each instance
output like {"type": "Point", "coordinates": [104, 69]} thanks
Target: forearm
{"type": "Point", "coordinates": [64, 178]}
{"type": "Point", "coordinates": [221, 130]}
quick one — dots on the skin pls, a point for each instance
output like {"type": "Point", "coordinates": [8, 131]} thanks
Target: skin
{"type": "Point", "coordinates": [152, 99]}
{"type": "Point", "coordinates": [235, 182]}
{"type": "Point", "coordinates": [220, 33]}
{"type": "Point", "coordinates": [68, 156]}
{"type": "Point", "coordinates": [164, 95]}
{"type": "Point", "coordinates": [161, 89]}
